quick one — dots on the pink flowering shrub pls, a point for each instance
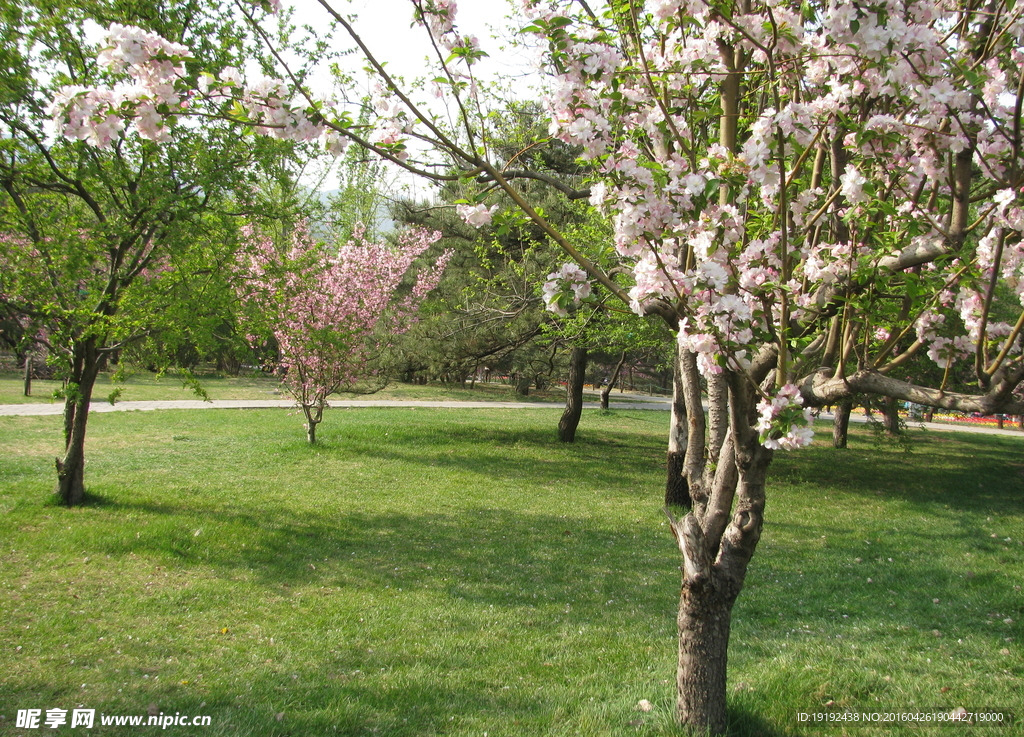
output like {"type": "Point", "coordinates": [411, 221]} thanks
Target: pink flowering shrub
{"type": "Point", "coordinates": [333, 313]}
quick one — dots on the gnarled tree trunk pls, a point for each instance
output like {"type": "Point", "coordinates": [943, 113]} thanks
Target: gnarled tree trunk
{"type": "Point", "coordinates": [725, 468]}
{"type": "Point", "coordinates": [573, 396]}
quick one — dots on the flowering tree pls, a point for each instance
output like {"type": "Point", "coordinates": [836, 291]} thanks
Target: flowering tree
{"type": "Point", "coordinates": [811, 194]}
{"type": "Point", "coordinates": [332, 314]}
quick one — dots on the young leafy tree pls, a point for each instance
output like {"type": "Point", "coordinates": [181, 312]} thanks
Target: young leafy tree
{"type": "Point", "coordinates": [86, 231]}
{"type": "Point", "coordinates": [810, 194]}
{"type": "Point", "coordinates": [332, 314]}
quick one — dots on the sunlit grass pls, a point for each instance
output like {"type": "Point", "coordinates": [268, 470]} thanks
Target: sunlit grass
{"type": "Point", "coordinates": [428, 572]}
{"type": "Point", "coordinates": [143, 386]}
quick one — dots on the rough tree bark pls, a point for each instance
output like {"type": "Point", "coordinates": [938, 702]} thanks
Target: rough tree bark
{"type": "Point", "coordinates": [606, 392]}
{"type": "Point", "coordinates": [28, 375]}
{"type": "Point", "coordinates": [891, 417]}
{"type": "Point", "coordinates": [71, 467]}
{"type": "Point", "coordinates": [841, 423]}
{"type": "Point", "coordinates": [573, 396]}
{"type": "Point", "coordinates": [677, 493]}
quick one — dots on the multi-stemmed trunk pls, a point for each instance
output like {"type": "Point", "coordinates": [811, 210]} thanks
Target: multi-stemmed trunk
{"type": "Point", "coordinates": [725, 467]}
{"type": "Point", "coordinates": [570, 419]}
{"type": "Point", "coordinates": [78, 396]}
{"type": "Point", "coordinates": [314, 413]}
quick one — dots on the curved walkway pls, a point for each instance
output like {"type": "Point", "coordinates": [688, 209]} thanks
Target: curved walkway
{"type": "Point", "coordinates": [624, 401]}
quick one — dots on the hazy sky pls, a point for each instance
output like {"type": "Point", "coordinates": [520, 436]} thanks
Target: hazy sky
{"type": "Point", "coordinates": [386, 28]}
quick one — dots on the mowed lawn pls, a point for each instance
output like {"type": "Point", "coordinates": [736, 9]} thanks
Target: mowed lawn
{"type": "Point", "coordinates": [459, 572]}
{"type": "Point", "coordinates": [146, 386]}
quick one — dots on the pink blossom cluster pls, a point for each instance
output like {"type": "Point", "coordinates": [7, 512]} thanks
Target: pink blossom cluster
{"type": "Point", "coordinates": [159, 90]}
{"type": "Point", "coordinates": [476, 215]}
{"type": "Point", "coordinates": [783, 421]}
{"type": "Point", "coordinates": [569, 285]}
{"type": "Point", "coordinates": [439, 17]}
{"type": "Point", "coordinates": [153, 66]}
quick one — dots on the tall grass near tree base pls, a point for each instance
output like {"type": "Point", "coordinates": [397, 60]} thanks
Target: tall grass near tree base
{"type": "Point", "coordinates": [456, 572]}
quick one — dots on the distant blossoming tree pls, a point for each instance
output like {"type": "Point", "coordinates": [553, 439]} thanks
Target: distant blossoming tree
{"type": "Point", "coordinates": [333, 313]}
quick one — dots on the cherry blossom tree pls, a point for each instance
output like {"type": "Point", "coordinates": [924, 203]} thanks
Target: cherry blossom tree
{"type": "Point", "coordinates": [811, 194]}
{"type": "Point", "coordinates": [332, 314]}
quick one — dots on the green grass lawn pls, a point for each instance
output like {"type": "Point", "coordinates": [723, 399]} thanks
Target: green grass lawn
{"type": "Point", "coordinates": [147, 386]}
{"type": "Point", "coordinates": [453, 572]}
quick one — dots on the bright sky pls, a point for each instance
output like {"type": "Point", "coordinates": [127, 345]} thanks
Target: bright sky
{"type": "Point", "coordinates": [386, 27]}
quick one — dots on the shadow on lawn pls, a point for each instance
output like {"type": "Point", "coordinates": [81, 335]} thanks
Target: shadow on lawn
{"type": "Point", "coordinates": [492, 451]}
{"type": "Point", "coordinates": [957, 471]}
{"type": "Point", "coordinates": [509, 558]}
{"type": "Point", "coordinates": [482, 556]}
{"type": "Point", "coordinates": [546, 577]}
{"type": "Point", "coordinates": [550, 571]}
{"type": "Point", "coordinates": [545, 568]}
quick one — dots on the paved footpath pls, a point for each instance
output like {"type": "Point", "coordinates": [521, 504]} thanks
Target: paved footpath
{"type": "Point", "coordinates": [56, 408]}
{"type": "Point", "coordinates": [620, 401]}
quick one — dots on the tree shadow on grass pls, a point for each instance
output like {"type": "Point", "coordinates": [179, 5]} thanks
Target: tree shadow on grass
{"type": "Point", "coordinates": [531, 456]}
{"type": "Point", "coordinates": [548, 578]}
{"type": "Point", "coordinates": [485, 556]}
{"type": "Point", "coordinates": [743, 720]}
{"type": "Point", "coordinates": [955, 470]}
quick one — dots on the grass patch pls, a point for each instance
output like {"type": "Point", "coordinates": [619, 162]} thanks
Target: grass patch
{"type": "Point", "coordinates": [450, 572]}
{"type": "Point", "coordinates": [147, 386]}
